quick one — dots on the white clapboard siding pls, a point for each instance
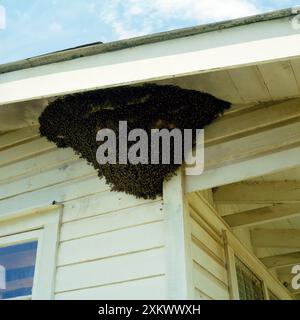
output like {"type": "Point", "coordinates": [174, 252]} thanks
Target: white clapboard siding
{"type": "Point", "coordinates": [211, 273]}
{"type": "Point", "coordinates": [207, 283]}
{"type": "Point", "coordinates": [207, 251]}
{"type": "Point", "coordinates": [205, 238]}
{"type": "Point", "coordinates": [111, 243]}
{"type": "Point", "coordinates": [205, 210]}
{"type": "Point", "coordinates": [96, 204]}
{"type": "Point", "coordinates": [199, 295]}
{"type": "Point", "coordinates": [18, 136]}
{"type": "Point", "coordinates": [112, 221]}
{"type": "Point", "coordinates": [112, 270]}
{"type": "Point", "coordinates": [204, 224]}
{"type": "Point", "coordinates": [60, 193]}
{"type": "Point", "coordinates": [63, 173]}
{"type": "Point", "coordinates": [46, 161]}
{"type": "Point", "coordinates": [25, 150]}
{"type": "Point", "coordinates": [139, 289]}
{"type": "Point", "coordinates": [201, 257]}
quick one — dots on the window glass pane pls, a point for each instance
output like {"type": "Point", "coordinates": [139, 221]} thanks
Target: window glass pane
{"type": "Point", "coordinates": [17, 264]}
{"type": "Point", "coordinates": [250, 286]}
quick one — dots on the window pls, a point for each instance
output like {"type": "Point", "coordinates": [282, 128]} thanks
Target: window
{"type": "Point", "coordinates": [243, 268]}
{"type": "Point", "coordinates": [28, 248]}
{"type": "Point", "coordinates": [17, 266]}
{"type": "Point", "coordinates": [249, 285]}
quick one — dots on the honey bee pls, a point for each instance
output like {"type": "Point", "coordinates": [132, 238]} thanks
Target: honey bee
{"type": "Point", "coordinates": [73, 120]}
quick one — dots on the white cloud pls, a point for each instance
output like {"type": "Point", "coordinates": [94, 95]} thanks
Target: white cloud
{"type": "Point", "coordinates": [207, 10]}
{"type": "Point", "coordinates": [55, 27]}
{"type": "Point", "coordinates": [134, 17]}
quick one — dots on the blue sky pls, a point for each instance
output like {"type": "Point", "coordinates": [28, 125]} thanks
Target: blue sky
{"type": "Point", "coordinates": [36, 27]}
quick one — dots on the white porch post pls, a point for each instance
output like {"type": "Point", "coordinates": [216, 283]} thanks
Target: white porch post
{"type": "Point", "coordinates": [178, 236]}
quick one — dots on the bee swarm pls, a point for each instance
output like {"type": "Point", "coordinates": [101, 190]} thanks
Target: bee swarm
{"type": "Point", "coordinates": [74, 120]}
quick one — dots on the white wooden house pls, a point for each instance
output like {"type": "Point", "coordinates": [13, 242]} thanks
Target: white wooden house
{"type": "Point", "coordinates": [208, 234]}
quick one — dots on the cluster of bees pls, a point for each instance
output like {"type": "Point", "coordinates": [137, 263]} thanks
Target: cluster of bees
{"type": "Point", "coordinates": [74, 120]}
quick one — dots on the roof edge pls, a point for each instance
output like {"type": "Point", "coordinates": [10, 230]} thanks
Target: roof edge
{"type": "Point", "coordinates": [99, 47]}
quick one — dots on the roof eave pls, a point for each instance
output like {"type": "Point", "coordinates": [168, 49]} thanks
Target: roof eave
{"type": "Point", "coordinates": [98, 47]}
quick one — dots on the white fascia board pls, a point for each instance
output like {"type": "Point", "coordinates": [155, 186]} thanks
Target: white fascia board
{"type": "Point", "coordinates": [238, 46]}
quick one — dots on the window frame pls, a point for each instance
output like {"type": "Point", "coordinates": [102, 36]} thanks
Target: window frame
{"type": "Point", "coordinates": [41, 224]}
{"type": "Point", "coordinates": [234, 248]}
{"type": "Point", "coordinates": [231, 256]}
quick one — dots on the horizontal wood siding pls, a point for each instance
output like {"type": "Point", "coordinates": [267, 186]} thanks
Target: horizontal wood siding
{"type": "Point", "coordinates": [111, 244]}
{"type": "Point", "coordinates": [210, 236]}
{"type": "Point", "coordinates": [207, 248]}
{"type": "Point", "coordinates": [145, 288]}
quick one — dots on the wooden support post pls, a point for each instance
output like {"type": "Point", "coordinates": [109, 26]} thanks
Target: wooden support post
{"type": "Point", "coordinates": [231, 269]}
{"type": "Point", "coordinates": [178, 240]}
